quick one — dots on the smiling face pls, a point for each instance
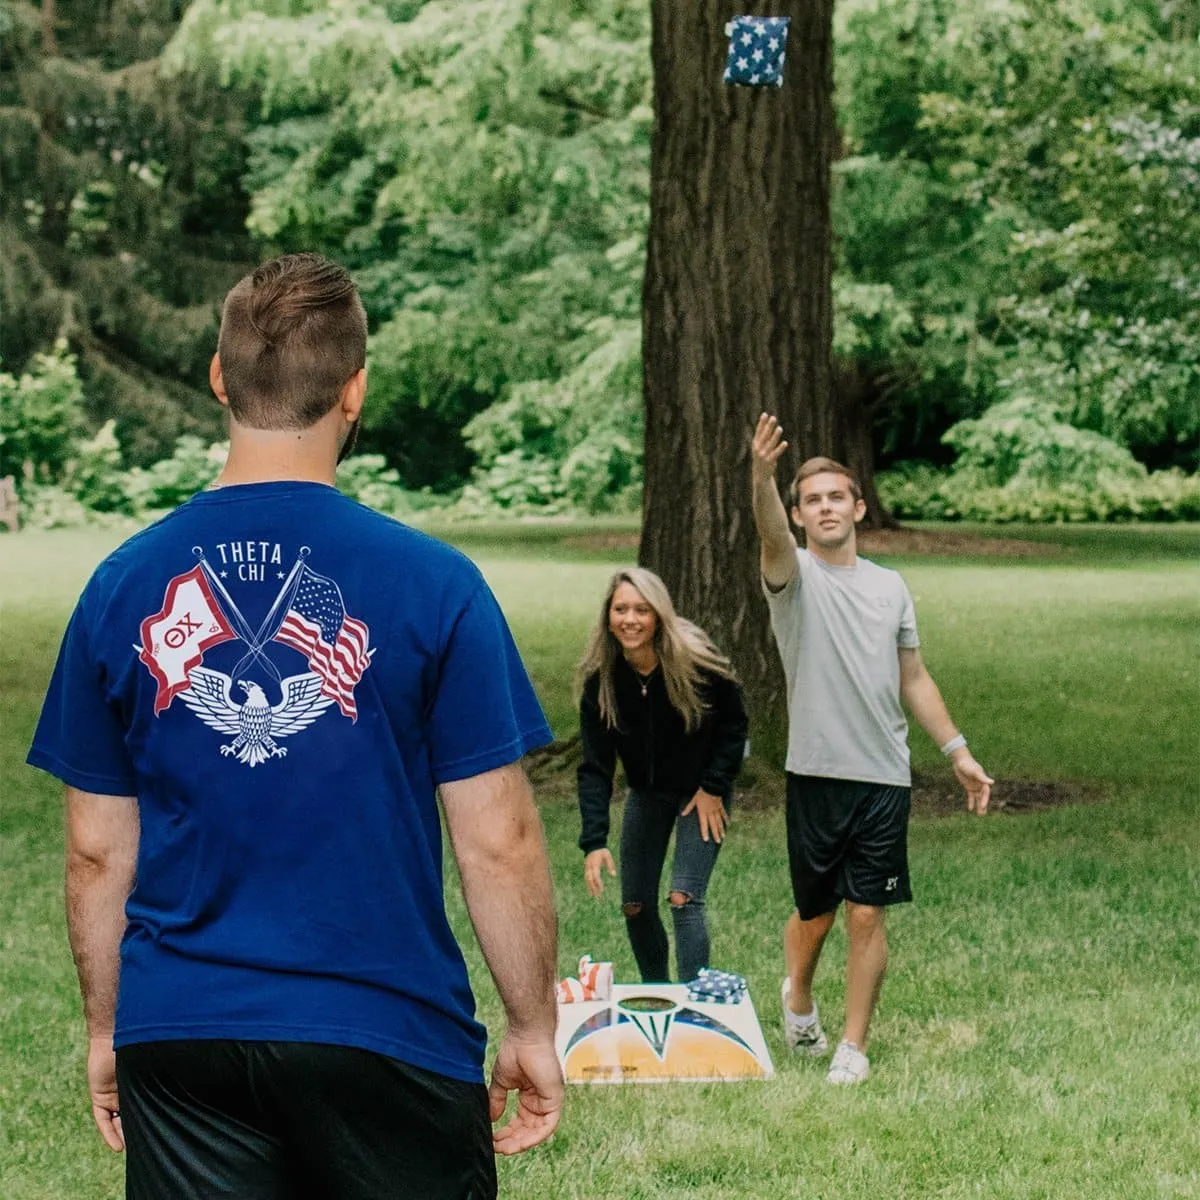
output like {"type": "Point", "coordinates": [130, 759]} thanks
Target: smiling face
{"type": "Point", "coordinates": [828, 511]}
{"type": "Point", "coordinates": [631, 620]}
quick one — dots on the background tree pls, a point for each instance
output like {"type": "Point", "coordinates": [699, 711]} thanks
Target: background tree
{"type": "Point", "coordinates": [121, 212]}
{"type": "Point", "coordinates": [481, 167]}
{"type": "Point", "coordinates": [738, 313]}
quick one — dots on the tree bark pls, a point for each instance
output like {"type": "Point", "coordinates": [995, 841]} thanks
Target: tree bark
{"type": "Point", "coordinates": [737, 310]}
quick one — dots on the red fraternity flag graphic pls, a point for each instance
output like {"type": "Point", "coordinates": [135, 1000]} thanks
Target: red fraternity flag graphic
{"type": "Point", "coordinates": [175, 638]}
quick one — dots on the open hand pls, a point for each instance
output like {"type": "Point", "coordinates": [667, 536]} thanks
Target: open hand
{"type": "Point", "coordinates": [529, 1066]}
{"type": "Point", "coordinates": [767, 446]}
{"type": "Point", "coordinates": [711, 813]}
{"type": "Point", "coordinates": [975, 780]}
{"type": "Point", "coordinates": [102, 1084]}
{"type": "Point", "coordinates": [593, 865]}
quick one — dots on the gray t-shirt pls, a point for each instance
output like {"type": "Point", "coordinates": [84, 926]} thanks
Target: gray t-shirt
{"type": "Point", "coordinates": [838, 630]}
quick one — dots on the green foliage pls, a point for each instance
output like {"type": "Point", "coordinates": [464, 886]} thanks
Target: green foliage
{"type": "Point", "coordinates": [169, 482]}
{"type": "Point", "coordinates": [96, 475]}
{"type": "Point", "coordinates": [121, 213]}
{"type": "Point", "coordinates": [1020, 441]}
{"type": "Point", "coordinates": [571, 445]}
{"type": "Point", "coordinates": [41, 414]}
{"type": "Point", "coordinates": [369, 480]}
{"type": "Point", "coordinates": [921, 492]}
{"type": "Point", "coordinates": [1023, 177]}
{"type": "Point", "coordinates": [482, 166]}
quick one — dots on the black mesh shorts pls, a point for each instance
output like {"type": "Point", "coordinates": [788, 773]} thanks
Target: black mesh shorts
{"type": "Point", "coordinates": [297, 1121]}
{"type": "Point", "coordinates": [846, 841]}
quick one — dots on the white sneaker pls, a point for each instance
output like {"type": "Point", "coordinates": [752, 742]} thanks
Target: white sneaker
{"type": "Point", "coordinates": [808, 1038]}
{"type": "Point", "coordinates": [849, 1065]}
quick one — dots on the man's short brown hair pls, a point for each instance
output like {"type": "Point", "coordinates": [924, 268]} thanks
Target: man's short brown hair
{"type": "Point", "coordinates": [292, 333]}
{"type": "Point", "coordinates": [822, 466]}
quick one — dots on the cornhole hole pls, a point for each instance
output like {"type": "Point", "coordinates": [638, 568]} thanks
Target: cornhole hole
{"type": "Point", "coordinates": [652, 1033]}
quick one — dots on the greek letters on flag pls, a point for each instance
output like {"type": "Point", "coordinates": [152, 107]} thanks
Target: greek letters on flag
{"type": "Point", "coordinates": [334, 643]}
{"type": "Point", "coordinates": [175, 638]}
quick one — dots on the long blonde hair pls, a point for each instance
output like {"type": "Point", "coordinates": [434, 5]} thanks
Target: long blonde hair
{"type": "Point", "coordinates": [684, 650]}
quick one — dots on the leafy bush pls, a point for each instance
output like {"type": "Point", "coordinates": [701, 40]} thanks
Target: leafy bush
{"type": "Point", "coordinates": [170, 481]}
{"type": "Point", "coordinates": [95, 475]}
{"type": "Point", "coordinates": [41, 415]}
{"type": "Point", "coordinates": [369, 480]}
{"type": "Point", "coordinates": [51, 506]}
{"type": "Point", "coordinates": [1024, 440]}
{"type": "Point", "coordinates": [920, 492]}
{"type": "Point", "coordinates": [572, 445]}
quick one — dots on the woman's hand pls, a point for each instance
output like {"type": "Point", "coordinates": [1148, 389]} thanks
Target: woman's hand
{"type": "Point", "coordinates": [592, 867]}
{"type": "Point", "coordinates": [711, 813]}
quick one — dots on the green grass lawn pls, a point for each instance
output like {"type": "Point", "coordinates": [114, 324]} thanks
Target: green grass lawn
{"type": "Point", "coordinates": [1039, 1033]}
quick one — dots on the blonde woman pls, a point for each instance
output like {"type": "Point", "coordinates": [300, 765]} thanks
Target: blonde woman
{"type": "Point", "coordinates": [657, 694]}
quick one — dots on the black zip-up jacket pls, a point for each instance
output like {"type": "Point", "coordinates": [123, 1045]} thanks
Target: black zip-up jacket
{"type": "Point", "coordinates": [657, 753]}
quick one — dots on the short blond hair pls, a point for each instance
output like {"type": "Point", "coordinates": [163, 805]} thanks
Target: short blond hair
{"type": "Point", "coordinates": [823, 466]}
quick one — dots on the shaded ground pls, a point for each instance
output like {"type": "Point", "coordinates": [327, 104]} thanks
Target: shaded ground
{"type": "Point", "coordinates": [915, 543]}
{"type": "Point", "coordinates": [552, 771]}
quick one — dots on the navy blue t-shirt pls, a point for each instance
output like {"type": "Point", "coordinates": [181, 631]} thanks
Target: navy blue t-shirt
{"type": "Point", "coordinates": [282, 677]}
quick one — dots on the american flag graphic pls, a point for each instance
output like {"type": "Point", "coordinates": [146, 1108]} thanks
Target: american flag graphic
{"type": "Point", "coordinates": [334, 643]}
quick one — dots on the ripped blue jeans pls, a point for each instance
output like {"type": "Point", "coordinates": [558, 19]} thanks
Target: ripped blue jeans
{"type": "Point", "coordinates": [650, 818]}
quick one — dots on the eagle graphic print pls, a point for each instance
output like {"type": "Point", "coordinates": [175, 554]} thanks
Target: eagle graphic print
{"type": "Point", "coordinates": [308, 616]}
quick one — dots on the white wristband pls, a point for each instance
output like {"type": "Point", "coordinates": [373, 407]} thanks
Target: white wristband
{"type": "Point", "coordinates": [955, 743]}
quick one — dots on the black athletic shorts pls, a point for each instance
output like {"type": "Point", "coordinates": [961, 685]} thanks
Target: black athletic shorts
{"type": "Point", "coordinates": [297, 1121]}
{"type": "Point", "coordinates": [846, 841]}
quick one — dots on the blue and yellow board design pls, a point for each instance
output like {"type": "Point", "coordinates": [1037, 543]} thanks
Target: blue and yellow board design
{"type": "Point", "coordinates": [655, 1034]}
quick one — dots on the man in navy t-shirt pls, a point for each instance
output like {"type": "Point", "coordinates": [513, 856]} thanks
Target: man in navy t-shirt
{"type": "Point", "coordinates": [256, 703]}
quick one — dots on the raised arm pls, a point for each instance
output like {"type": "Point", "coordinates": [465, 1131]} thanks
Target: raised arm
{"type": "Point", "coordinates": [778, 547]}
{"type": "Point", "coordinates": [102, 846]}
{"type": "Point", "coordinates": [497, 840]}
{"type": "Point", "coordinates": [924, 701]}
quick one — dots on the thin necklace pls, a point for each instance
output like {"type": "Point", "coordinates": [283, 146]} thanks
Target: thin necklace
{"type": "Point", "coordinates": [644, 680]}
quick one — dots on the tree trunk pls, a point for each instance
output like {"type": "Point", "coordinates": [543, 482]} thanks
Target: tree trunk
{"type": "Point", "coordinates": [855, 439]}
{"type": "Point", "coordinates": [737, 310]}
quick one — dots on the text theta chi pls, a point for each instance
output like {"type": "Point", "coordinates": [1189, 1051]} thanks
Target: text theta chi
{"type": "Point", "coordinates": [250, 561]}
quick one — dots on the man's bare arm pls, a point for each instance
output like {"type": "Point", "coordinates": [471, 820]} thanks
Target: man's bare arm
{"type": "Point", "coordinates": [102, 846]}
{"type": "Point", "coordinates": [924, 701]}
{"type": "Point", "coordinates": [778, 553]}
{"type": "Point", "coordinates": [497, 839]}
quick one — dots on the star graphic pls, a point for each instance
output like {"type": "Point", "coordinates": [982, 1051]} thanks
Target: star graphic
{"type": "Point", "coordinates": [773, 44]}
{"type": "Point", "coordinates": [757, 56]}
{"type": "Point", "coordinates": [278, 574]}
{"type": "Point", "coordinates": [224, 574]}
{"type": "Point", "coordinates": [742, 64]}
{"type": "Point", "coordinates": [753, 78]}
{"type": "Point", "coordinates": [746, 39]}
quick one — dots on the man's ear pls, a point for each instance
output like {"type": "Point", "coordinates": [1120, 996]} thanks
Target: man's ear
{"type": "Point", "coordinates": [353, 394]}
{"type": "Point", "coordinates": [860, 510]}
{"type": "Point", "coordinates": [217, 382]}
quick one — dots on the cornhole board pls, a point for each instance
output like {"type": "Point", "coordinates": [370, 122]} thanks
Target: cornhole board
{"type": "Point", "coordinates": [652, 1033]}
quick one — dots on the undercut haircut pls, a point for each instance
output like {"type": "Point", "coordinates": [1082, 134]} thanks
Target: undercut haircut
{"type": "Point", "coordinates": [292, 333]}
{"type": "Point", "coordinates": [823, 466]}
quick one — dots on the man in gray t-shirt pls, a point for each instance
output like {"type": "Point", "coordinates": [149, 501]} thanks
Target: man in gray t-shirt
{"type": "Point", "coordinates": [847, 635]}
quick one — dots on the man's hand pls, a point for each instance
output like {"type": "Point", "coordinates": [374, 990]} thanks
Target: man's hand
{"type": "Point", "coordinates": [102, 1084]}
{"type": "Point", "coordinates": [711, 813]}
{"type": "Point", "coordinates": [767, 447]}
{"type": "Point", "coordinates": [975, 780]}
{"type": "Point", "coordinates": [593, 866]}
{"type": "Point", "coordinates": [530, 1067]}
{"type": "Point", "coordinates": [778, 547]}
